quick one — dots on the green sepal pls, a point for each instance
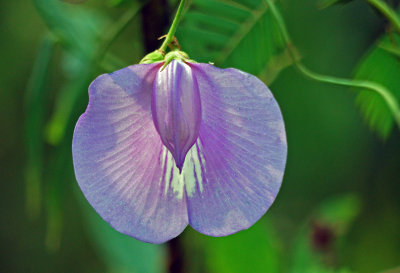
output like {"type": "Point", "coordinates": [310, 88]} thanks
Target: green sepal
{"type": "Point", "coordinates": [176, 55]}
{"type": "Point", "coordinates": [153, 57]}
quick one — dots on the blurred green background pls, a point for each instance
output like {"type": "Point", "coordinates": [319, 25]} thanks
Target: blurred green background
{"type": "Point", "coordinates": [339, 207]}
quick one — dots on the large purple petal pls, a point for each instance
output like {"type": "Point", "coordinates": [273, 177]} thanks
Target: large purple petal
{"type": "Point", "coordinates": [120, 163]}
{"type": "Point", "coordinates": [234, 171]}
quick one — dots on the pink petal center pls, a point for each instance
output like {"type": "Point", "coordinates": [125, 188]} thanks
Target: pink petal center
{"type": "Point", "coordinates": [176, 109]}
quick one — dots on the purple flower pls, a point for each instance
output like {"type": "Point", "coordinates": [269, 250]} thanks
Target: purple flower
{"type": "Point", "coordinates": [158, 149]}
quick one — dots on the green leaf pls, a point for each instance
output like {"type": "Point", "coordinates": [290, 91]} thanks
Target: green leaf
{"type": "Point", "coordinates": [59, 169]}
{"type": "Point", "coordinates": [35, 116]}
{"type": "Point", "coordinates": [76, 28]}
{"type": "Point", "coordinates": [121, 252]}
{"type": "Point", "coordinates": [317, 242]}
{"type": "Point", "coordinates": [383, 67]}
{"type": "Point", "coordinates": [252, 250]}
{"type": "Point", "coordinates": [339, 212]}
{"type": "Point", "coordinates": [79, 31]}
{"type": "Point", "coordinates": [231, 34]}
{"type": "Point", "coordinates": [80, 73]}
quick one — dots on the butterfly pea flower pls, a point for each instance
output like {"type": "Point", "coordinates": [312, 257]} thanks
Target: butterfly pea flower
{"type": "Point", "coordinates": [166, 144]}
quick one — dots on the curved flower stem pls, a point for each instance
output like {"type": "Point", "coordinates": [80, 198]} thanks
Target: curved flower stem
{"type": "Point", "coordinates": [378, 88]}
{"type": "Point", "coordinates": [170, 36]}
{"type": "Point", "coordinates": [388, 12]}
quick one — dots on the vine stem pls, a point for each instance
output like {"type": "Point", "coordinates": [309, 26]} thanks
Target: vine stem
{"type": "Point", "coordinates": [388, 12]}
{"type": "Point", "coordinates": [170, 36]}
{"type": "Point", "coordinates": [378, 88]}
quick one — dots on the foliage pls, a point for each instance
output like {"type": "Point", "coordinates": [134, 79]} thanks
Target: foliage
{"type": "Point", "coordinates": [318, 241]}
{"type": "Point", "coordinates": [381, 64]}
{"type": "Point", "coordinates": [228, 32]}
{"type": "Point", "coordinates": [35, 108]}
{"type": "Point", "coordinates": [235, 253]}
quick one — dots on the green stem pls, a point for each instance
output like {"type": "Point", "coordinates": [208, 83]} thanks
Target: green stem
{"type": "Point", "coordinates": [174, 26]}
{"type": "Point", "coordinates": [112, 34]}
{"type": "Point", "coordinates": [381, 90]}
{"type": "Point", "coordinates": [388, 12]}
{"type": "Point", "coordinates": [116, 29]}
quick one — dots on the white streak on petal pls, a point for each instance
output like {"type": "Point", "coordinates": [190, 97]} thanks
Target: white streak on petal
{"type": "Point", "coordinates": [163, 159]}
{"type": "Point", "coordinates": [168, 170]}
{"type": "Point", "coordinates": [197, 160]}
{"type": "Point", "coordinates": [191, 177]}
{"type": "Point", "coordinates": [173, 179]}
{"type": "Point", "coordinates": [177, 183]}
